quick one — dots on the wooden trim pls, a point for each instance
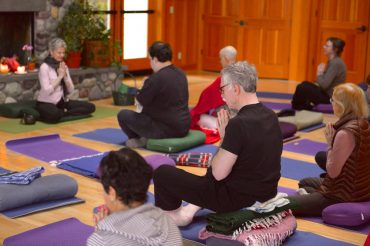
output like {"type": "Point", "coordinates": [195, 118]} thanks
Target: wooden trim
{"type": "Point", "coordinates": [299, 40]}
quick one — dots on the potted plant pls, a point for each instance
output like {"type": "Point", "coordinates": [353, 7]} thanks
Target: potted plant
{"type": "Point", "coordinates": [72, 29]}
{"type": "Point", "coordinates": [97, 47]}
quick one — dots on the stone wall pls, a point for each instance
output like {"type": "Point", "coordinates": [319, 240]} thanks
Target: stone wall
{"type": "Point", "coordinates": [46, 23]}
{"type": "Point", "coordinates": [90, 84]}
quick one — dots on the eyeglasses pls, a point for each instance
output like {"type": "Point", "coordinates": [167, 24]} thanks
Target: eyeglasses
{"type": "Point", "coordinates": [221, 89]}
{"type": "Point", "coordinates": [331, 100]}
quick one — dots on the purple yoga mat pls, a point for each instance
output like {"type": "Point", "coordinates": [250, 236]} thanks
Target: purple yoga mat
{"type": "Point", "coordinates": [69, 232]}
{"type": "Point", "coordinates": [364, 229]}
{"type": "Point", "coordinates": [277, 105]}
{"type": "Point", "coordinates": [305, 146]}
{"type": "Point", "coordinates": [49, 148]}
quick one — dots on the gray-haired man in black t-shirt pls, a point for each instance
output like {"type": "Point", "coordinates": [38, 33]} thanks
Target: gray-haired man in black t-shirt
{"type": "Point", "coordinates": [246, 168]}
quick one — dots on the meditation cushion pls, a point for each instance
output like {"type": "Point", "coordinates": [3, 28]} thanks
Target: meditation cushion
{"type": "Point", "coordinates": [74, 117]}
{"type": "Point", "coordinates": [347, 214]}
{"type": "Point", "coordinates": [287, 129]}
{"type": "Point", "coordinates": [156, 161]}
{"type": "Point", "coordinates": [324, 108]}
{"type": "Point", "coordinates": [48, 188]}
{"type": "Point", "coordinates": [303, 119]}
{"type": "Point", "coordinates": [14, 110]}
{"type": "Point", "coordinates": [172, 145]}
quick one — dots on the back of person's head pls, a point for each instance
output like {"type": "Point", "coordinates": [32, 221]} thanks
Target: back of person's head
{"type": "Point", "coordinates": [128, 173]}
{"type": "Point", "coordinates": [350, 99]}
{"type": "Point", "coordinates": [229, 52]}
{"type": "Point", "coordinates": [162, 51]}
{"type": "Point", "coordinates": [243, 74]}
{"type": "Point", "coordinates": [57, 43]}
{"type": "Point", "coordinates": [338, 45]}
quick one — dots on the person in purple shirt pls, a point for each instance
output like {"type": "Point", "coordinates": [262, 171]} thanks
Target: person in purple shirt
{"type": "Point", "coordinates": [56, 84]}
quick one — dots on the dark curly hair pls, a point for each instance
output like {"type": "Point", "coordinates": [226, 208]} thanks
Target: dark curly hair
{"type": "Point", "coordinates": [160, 50]}
{"type": "Point", "coordinates": [338, 45]}
{"type": "Point", "coordinates": [128, 173]}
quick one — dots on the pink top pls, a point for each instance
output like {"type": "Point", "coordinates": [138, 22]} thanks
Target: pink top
{"type": "Point", "coordinates": [344, 144]}
{"type": "Point", "coordinates": [48, 94]}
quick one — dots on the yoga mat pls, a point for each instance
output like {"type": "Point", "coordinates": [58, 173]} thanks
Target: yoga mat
{"type": "Point", "coordinates": [363, 229]}
{"type": "Point", "coordinates": [277, 105]}
{"type": "Point", "coordinates": [49, 148]}
{"type": "Point", "coordinates": [69, 232]}
{"type": "Point", "coordinates": [274, 95]}
{"type": "Point", "coordinates": [85, 165]}
{"type": "Point", "coordinates": [298, 170]}
{"type": "Point", "coordinates": [300, 238]}
{"type": "Point", "coordinates": [14, 125]}
{"type": "Point", "coordinates": [34, 208]}
{"type": "Point", "coordinates": [312, 128]}
{"type": "Point", "coordinates": [305, 146]}
{"type": "Point", "coordinates": [105, 135]}
{"type": "Point", "coordinates": [205, 148]}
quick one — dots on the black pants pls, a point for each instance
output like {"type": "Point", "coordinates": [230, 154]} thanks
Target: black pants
{"type": "Point", "coordinates": [140, 125]}
{"type": "Point", "coordinates": [320, 159]}
{"type": "Point", "coordinates": [52, 113]}
{"type": "Point", "coordinates": [307, 95]}
{"type": "Point", "coordinates": [314, 203]}
{"type": "Point", "coordinates": [173, 185]}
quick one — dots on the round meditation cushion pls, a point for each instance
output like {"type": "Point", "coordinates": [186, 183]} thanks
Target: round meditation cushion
{"type": "Point", "coordinates": [347, 214]}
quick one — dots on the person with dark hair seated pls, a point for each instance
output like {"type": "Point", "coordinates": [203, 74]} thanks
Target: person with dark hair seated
{"type": "Point", "coordinates": [308, 94]}
{"type": "Point", "coordinates": [56, 83]}
{"type": "Point", "coordinates": [348, 167]}
{"type": "Point", "coordinates": [164, 98]}
{"type": "Point", "coordinates": [246, 167]}
{"type": "Point", "coordinates": [126, 219]}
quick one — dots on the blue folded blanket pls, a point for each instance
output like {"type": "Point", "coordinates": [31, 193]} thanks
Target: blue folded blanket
{"type": "Point", "coordinates": [22, 178]}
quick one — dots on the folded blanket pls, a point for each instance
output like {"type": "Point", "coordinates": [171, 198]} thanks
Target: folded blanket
{"type": "Point", "coordinates": [22, 178]}
{"type": "Point", "coordinates": [227, 223]}
{"type": "Point", "coordinates": [48, 188]}
{"type": "Point", "coordinates": [192, 159]}
{"type": "Point", "coordinates": [273, 235]}
{"type": "Point", "coordinates": [270, 205]}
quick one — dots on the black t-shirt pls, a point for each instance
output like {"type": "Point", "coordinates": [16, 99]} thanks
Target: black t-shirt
{"type": "Point", "coordinates": [253, 135]}
{"type": "Point", "coordinates": [165, 97]}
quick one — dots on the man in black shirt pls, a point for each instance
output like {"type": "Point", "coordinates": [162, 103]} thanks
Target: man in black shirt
{"type": "Point", "coordinates": [164, 98]}
{"type": "Point", "coordinates": [245, 169]}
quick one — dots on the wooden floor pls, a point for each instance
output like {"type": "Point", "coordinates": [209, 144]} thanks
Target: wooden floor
{"type": "Point", "coordinates": [91, 190]}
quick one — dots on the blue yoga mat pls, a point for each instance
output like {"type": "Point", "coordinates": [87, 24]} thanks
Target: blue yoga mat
{"type": "Point", "coordinates": [86, 166]}
{"type": "Point", "coordinates": [294, 169]}
{"type": "Point", "coordinates": [305, 146]}
{"type": "Point", "coordinates": [274, 95]}
{"type": "Point", "coordinates": [34, 208]}
{"type": "Point", "coordinates": [277, 105]}
{"type": "Point", "coordinates": [205, 148]}
{"type": "Point", "coordinates": [105, 135]}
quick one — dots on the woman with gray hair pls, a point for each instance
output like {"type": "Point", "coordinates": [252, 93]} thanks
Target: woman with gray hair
{"type": "Point", "coordinates": [56, 84]}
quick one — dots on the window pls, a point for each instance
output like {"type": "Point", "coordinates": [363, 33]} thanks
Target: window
{"type": "Point", "coordinates": [135, 36]}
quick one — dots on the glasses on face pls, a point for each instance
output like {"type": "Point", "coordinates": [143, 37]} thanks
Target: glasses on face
{"type": "Point", "coordinates": [331, 100]}
{"type": "Point", "coordinates": [221, 89]}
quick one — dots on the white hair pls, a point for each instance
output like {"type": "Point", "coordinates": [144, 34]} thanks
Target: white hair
{"type": "Point", "coordinates": [229, 52]}
{"type": "Point", "coordinates": [241, 73]}
{"type": "Point", "coordinates": [56, 43]}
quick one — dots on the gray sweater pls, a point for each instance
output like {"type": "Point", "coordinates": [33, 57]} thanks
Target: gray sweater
{"type": "Point", "coordinates": [334, 75]}
{"type": "Point", "coordinates": [144, 225]}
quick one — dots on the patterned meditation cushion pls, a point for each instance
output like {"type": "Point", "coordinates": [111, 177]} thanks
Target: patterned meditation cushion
{"type": "Point", "coordinates": [172, 145]}
{"type": "Point", "coordinates": [347, 214]}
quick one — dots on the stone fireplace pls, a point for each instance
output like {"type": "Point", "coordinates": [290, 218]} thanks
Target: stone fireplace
{"type": "Point", "coordinates": [35, 22]}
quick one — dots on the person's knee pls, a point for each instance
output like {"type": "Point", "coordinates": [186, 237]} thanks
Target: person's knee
{"type": "Point", "coordinates": [162, 173]}
{"type": "Point", "coordinates": [320, 157]}
{"type": "Point", "coordinates": [304, 183]}
{"type": "Point", "coordinates": [91, 107]}
{"type": "Point", "coordinates": [126, 116]}
{"type": "Point", "coordinates": [52, 117]}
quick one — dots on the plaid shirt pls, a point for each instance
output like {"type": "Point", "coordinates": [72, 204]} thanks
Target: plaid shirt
{"type": "Point", "coordinates": [21, 178]}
